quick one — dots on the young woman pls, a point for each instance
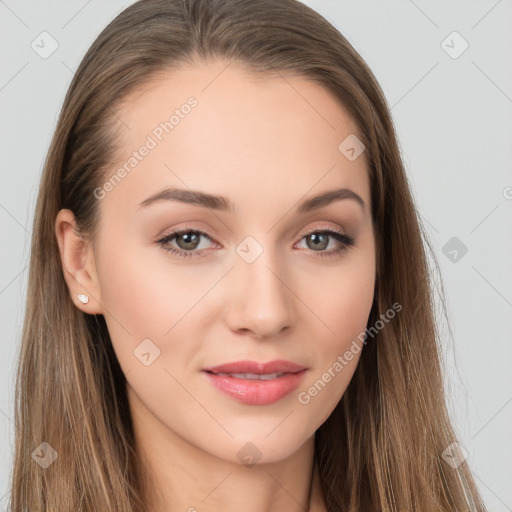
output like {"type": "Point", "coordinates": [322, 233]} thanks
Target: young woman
{"type": "Point", "coordinates": [229, 305]}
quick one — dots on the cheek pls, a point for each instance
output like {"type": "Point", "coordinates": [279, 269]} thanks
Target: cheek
{"type": "Point", "coordinates": [343, 304]}
{"type": "Point", "coordinates": [147, 295]}
{"type": "Point", "coordinates": [147, 299]}
{"type": "Point", "coordinates": [343, 300]}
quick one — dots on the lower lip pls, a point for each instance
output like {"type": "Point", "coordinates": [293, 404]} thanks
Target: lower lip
{"type": "Point", "coordinates": [257, 392]}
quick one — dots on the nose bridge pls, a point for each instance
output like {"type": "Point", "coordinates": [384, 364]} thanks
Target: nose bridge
{"type": "Point", "coordinates": [262, 302]}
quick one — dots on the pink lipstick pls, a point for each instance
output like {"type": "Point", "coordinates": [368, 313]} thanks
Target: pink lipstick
{"type": "Point", "coordinates": [254, 383]}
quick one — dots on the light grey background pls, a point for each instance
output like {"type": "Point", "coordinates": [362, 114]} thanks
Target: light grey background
{"type": "Point", "coordinates": [454, 120]}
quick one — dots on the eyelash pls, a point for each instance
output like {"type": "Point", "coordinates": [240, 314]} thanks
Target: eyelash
{"type": "Point", "coordinates": [345, 240]}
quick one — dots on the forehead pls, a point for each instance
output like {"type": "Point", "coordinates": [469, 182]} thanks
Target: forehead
{"type": "Point", "coordinates": [218, 127]}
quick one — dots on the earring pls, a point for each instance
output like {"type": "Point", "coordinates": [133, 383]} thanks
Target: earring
{"type": "Point", "coordinates": [84, 299]}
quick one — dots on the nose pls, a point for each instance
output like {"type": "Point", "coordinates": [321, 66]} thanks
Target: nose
{"type": "Point", "coordinates": [262, 302]}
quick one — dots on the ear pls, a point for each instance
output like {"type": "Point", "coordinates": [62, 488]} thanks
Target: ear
{"type": "Point", "coordinates": [78, 265]}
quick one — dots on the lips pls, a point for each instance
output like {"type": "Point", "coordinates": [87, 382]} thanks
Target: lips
{"type": "Point", "coordinates": [256, 383]}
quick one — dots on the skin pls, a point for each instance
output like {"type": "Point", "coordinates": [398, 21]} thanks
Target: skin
{"type": "Point", "coordinates": [266, 144]}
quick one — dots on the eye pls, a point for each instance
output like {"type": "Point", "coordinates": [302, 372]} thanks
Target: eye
{"type": "Point", "coordinates": [188, 242]}
{"type": "Point", "coordinates": [318, 240]}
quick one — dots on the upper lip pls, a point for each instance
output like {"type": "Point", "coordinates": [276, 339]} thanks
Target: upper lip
{"type": "Point", "coordinates": [277, 366]}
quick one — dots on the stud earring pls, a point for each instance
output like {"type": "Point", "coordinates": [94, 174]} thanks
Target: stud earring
{"type": "Point", "coordinates": [84, 299]}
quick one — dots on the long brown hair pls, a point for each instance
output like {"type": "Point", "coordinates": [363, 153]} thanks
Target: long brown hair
{"type": "Point", "coordinates": [381, 448]}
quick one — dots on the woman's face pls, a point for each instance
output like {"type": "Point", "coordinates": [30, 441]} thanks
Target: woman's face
{"type": "Point", "coordinates": [252, 277]}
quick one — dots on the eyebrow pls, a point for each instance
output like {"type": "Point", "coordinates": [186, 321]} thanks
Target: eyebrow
{"type": "Point", "coordinates": [221, 203]}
